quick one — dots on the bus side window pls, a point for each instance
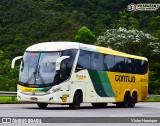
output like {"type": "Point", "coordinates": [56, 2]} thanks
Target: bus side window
{"type": "Point", "coordinates": [119, 64]}
{"type": "Point", "coordinates": [145, 66]}
{"type": "Point", "coordinates": [83, 60]}
{"type": "Point", "coordinates": [138, 67]}
{"type": "Point", "coordinates": [108, 62]}
{"type": "Point", "coordinates": [141, 66]}
{"type": "Point", "coordinates": [129, 65]}
{"type": "Point", "coordinates": [97, 61]}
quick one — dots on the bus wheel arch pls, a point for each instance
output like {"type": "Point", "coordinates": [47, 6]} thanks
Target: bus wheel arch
{"type": "Point", "coordinates": [77, 99]}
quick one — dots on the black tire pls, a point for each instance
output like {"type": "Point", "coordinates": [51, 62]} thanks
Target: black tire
{"type": "Point", "coordinates": [42, 105]}
{"type": "Point", "coordinates": [77, 99]}
{"type": "Point", "coordinates": [133, 100]}
{"type": "Point", "coordinates": [119, 104]}
{"type": "Point", "coordinates": [99, 105]}
{"type": "Point", "coordinates": [125, 103]}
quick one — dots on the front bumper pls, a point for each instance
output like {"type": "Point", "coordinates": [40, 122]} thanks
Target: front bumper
{"type": "Point", "coordinates": [37, 98]}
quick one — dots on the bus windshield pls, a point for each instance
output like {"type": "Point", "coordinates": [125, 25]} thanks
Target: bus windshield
{"type": "Point", "coordinates": [38, 68]}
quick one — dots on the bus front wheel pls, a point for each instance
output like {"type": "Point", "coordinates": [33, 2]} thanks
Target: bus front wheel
{"type": "Point", "coordinates": [42, 105]}
{"type": "Point", "coordinates": [77, 99]}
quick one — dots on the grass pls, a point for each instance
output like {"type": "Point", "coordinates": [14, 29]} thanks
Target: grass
{"type": "Point", "coordinates": [155, 99]}
{"type": "Point", "coordinates": [8, 99]}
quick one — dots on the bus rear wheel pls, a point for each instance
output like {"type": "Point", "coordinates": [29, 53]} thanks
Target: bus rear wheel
{"type": "Point", "coordinates": [77, 99]}
{"type": "Point", "coordinates": [125, 103]}
{"type": "Point", "coordinates": [133, 100]}
{"type": "Point", "coordinates": [42, 105]}
{"type": "Point", "coordinates": [126, 100]}
{"type": "Point", "coordinates": [119, 104]}
{"type": "Point", "coordinates": [99, 105]}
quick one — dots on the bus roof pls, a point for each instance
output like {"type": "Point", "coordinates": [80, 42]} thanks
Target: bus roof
{"type": "Point", "coordinates": [58, 46]}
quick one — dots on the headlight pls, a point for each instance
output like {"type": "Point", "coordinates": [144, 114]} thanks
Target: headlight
{"type": "Point", "coordinates": [53, 90]}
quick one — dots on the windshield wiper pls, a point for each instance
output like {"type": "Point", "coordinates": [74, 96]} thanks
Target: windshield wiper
{"type": "Point", "coordinates": [36, 74]}
{"type": "Point", "coordinates": [22, 65]}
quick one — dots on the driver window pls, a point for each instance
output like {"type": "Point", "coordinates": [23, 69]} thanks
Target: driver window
{"type": "Point", "coordinates": [66, 64]}
{"type": "Point", "coordinates": [84, 60]}
{"type": "Point", "coordinates": [65, 69]}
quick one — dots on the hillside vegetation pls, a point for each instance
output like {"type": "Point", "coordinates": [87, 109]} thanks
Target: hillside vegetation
{"type": "Point", "coordinates": [26, 22]}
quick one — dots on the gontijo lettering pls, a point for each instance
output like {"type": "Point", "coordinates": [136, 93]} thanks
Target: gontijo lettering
{"type": "Point", "coordinates": [122, 78]}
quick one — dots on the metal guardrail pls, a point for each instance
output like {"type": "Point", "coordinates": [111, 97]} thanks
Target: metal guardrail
{"type": "Point", "coordinates": [8, 93]}
{"type": "Point", "coordinates": [153, 96]}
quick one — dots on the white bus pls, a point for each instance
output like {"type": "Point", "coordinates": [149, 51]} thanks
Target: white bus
{"type": "Point", "coordinates": [71, 73]}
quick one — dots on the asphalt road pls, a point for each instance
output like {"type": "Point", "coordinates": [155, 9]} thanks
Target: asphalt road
{"type": "Point", "coordinates": [143, 110]}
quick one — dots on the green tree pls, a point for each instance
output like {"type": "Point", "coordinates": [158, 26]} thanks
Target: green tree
{"type": "Point", "coordinates": [1, 55]}
{"type": "Point", "coordinates": [154, 80]}
{"type": "Point", "coordinates": [8, 76]}
{"type": "Point", "coordinates": [85, 36]}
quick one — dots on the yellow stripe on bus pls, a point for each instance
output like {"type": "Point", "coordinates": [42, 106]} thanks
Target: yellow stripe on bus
{"type": "Point", "coordinates": [27, 89]}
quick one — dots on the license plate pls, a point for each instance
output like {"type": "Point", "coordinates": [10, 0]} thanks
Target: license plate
{"type": "Point", "coordinates": [34, 98]}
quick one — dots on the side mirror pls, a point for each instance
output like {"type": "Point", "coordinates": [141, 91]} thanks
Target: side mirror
{"type": "Point", "coordinates": [14, 60]}
{"type": "Point", "coordinates": [59, 60]}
